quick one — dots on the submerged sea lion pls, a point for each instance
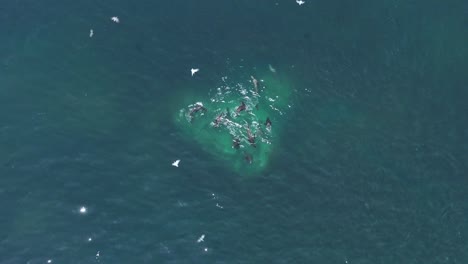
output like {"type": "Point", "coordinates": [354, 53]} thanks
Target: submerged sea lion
{"type": "Point", "coordinates": [255, 83]}
{"type": "Point", "coordinates": [268, 122]}
{"type": "Point", "coordinates": [251, 138]}
{"type": "Point", "coordinates": [248, 158]}
{"type": "Point", "coordinates": [236, 143]}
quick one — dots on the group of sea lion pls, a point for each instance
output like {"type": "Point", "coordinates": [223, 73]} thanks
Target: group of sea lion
{"type": "Point", "coordinates": [198, 107]}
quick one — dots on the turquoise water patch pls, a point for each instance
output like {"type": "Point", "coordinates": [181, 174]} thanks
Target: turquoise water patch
{"type": "Point", "coordinates": [245, 139]}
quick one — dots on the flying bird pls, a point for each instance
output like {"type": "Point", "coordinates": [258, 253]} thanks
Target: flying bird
{"type": "Point", "coordinates": [300, 2]}
{"type": "Point", "coordinates": [194, 71]}
{"type": "Point", "coordinates": [176, 163]}
{"type": "Point", "coordinates": [201, 238]}
{"type": "Point", "coordinates": [115, 19]}
{"type": "Point", "coordinates": [83, 210]}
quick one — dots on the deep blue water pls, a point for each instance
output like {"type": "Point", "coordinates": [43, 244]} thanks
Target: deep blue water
{"type": "Point", "coordinates": [372, 166]}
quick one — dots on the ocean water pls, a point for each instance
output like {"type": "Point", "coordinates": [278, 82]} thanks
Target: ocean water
{"type": "Point", "coordinates": [371, 166]}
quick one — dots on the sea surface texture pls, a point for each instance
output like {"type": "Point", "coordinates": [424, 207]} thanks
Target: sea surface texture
{"type": "Point", "coordinates": [368, 163]}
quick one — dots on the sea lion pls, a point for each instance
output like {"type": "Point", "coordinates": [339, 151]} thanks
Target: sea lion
{"type": "Point", "coordinates": [198, 107]}
{"type": "Point", "coordinates": [218, 119]}
{"type": "Point", "coordinates": [241, 107]}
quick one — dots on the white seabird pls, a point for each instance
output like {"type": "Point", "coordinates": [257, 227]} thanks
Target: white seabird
{"type": "Point", "coordinates": [194, 71]}
{"type": "Point", "coordinates": [300, 2]}
{"type": "Point", "coordinates": [201, 238]}
{"type": "Point", "coordinates": [176, 163]}
{"type": "Point", "coordinates": [83, 210]}
{"type": "Point", "coordinates": [115, 19]}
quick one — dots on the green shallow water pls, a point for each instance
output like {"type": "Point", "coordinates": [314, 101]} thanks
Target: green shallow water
{"type": "Point", "coordinates": [271, 99]}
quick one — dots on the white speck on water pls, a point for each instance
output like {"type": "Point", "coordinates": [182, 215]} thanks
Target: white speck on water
{"type": "Point", "coordinates": [49, 261]}
{"type": "Point", "coordinates": [91, 33]}
{"type": "Point", "coordinates": [181, 204]}
{"type": "Point", "coordinates": [115, 19]}
{"type": "Point", "coordinates": [83, 210]}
